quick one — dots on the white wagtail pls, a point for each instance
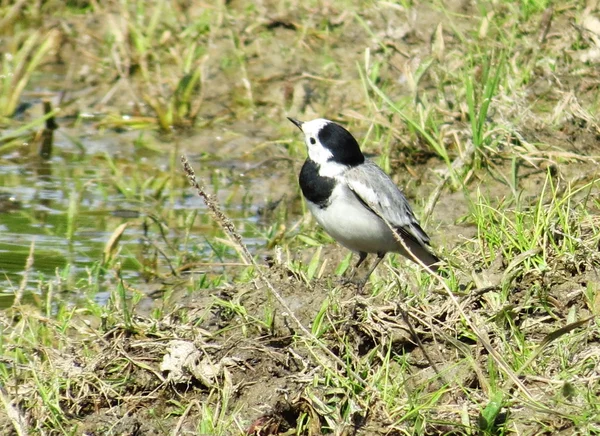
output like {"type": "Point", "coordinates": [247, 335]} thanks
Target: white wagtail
{"type": "Point", "coordinates": [348, 195]}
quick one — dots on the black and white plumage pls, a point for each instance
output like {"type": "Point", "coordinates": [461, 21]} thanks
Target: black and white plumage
{"type": "Point", "coordinates": [348, 195]}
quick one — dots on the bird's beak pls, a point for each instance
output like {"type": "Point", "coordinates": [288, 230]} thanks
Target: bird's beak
{"type": "Point", "coordinates": [296, 122]}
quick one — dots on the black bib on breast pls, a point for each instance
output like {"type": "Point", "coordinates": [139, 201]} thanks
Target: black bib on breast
{"type": "Point", "coordinates": [315, 188]}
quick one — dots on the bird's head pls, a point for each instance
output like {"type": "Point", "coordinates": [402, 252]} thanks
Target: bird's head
{"type": "Point", "coordinates": [329, 142]}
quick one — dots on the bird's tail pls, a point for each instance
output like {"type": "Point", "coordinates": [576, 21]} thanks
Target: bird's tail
{"type": "Point", "coordinates": [432, 261]}
{"type": "Point", "coordinates": [418, 242]}
{"type": "Point", "coordinates": [423, 253]}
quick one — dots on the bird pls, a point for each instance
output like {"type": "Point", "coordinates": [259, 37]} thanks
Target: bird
{"type": "Point", "coordinates": [352, 198]}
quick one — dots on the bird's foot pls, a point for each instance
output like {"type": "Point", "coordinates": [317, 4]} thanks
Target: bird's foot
{"type": "Point", "coordinates": [359, 283]}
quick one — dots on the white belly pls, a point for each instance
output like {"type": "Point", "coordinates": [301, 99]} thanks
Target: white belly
{"type": "Point", "coordinates": [353, 225]}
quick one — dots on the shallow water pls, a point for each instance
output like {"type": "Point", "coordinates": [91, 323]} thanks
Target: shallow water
{"type": "Point", "coordinates": [68, 207]}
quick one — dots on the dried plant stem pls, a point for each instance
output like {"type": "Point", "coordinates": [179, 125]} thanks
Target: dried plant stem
{"type": "Point", "coordinates": [458, 164]}
{"type": "Point", "coordinates": [229, 228]}
{"type": "Point", "coordinates": [26, 271]}
{"type": "Point", "coordinates": [222, 219]}
{"type": "Point", "coordinates": [480, 335]}
{"type": "Point", "coordinates": [18, 421]}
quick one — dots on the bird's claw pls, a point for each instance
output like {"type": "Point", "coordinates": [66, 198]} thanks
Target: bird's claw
{"type": "Point", "coordinates": [359, 283]}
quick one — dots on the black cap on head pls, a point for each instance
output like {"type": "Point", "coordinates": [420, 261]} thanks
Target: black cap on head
{"type": "Point", "coordinates": [341, 143]}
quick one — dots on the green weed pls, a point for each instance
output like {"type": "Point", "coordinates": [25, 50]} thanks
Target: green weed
{"type": "Point", "coordinates": [19, 63]}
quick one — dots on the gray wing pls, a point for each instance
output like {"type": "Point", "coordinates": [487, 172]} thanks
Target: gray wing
{"type": "Point", "coordinates": [378, 192]}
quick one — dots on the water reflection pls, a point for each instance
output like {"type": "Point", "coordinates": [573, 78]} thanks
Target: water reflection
{"type": "Point", "coordinates": [69, 206]}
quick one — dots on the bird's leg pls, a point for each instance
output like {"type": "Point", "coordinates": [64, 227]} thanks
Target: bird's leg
{"type": "Point", "coordinates": [361, 258]}
{"type": "Point", "coordinates": [362, 281]}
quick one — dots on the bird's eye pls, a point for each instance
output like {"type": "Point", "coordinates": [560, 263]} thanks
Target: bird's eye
{"type": "Point", "coordinates": [312, 141]}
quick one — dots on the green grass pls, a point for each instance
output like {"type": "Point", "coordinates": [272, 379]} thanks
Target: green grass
{"type": "Point", "coordinates": [22, 59]}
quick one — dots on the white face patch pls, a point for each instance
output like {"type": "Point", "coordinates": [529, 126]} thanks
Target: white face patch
{"type": "Point", "coordinates": [316, 152]}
